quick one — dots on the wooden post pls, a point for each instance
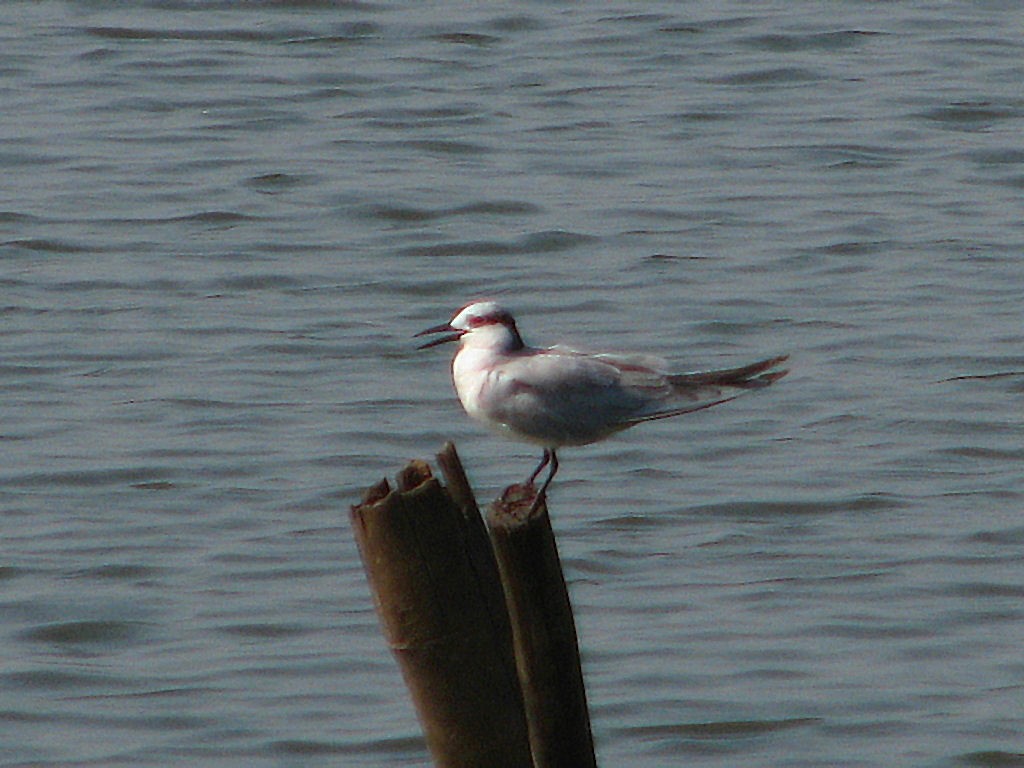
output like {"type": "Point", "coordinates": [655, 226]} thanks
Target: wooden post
{"type": "Point", "coordinates": [544, 633]}
{"type": "Point", "coordinates": [436, 589]}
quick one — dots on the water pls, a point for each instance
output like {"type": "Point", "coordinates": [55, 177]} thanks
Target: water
{"type": "Point", "coordinates": [221, 222]}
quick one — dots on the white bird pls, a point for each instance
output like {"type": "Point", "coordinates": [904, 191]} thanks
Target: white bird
{"type": "Point", "coordinates": [558, 396]}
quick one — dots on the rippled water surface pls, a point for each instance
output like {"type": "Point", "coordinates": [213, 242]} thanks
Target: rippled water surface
{"type": "Point", "coordinates": [220, 223]}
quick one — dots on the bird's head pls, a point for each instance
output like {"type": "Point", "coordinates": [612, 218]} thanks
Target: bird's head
{"type": "Point", "coordinates": [484, 322]}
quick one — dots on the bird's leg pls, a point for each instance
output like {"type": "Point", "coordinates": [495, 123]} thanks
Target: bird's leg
{"type": "Point", "coordinates": [541, 496]}
{"type": "Point", "coordinates": [543, 463]}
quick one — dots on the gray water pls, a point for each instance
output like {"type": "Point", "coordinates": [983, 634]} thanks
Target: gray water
{"type": "Point", "coordinates": [220, 224]}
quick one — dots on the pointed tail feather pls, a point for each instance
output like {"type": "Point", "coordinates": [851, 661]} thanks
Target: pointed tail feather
{"type": "Point", "coordinates": [750, 376]}
{"type": "Point", "coordinates": [706, 389]}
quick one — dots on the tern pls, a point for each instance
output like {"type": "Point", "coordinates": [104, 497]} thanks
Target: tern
{"type": "Point", "coordinates": [557, 396]}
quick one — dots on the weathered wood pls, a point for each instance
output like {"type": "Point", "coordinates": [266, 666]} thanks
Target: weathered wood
{"type": "Point", "coordinates": [436, 588]}
{"type": "Point", "coordinates": [458, 484]}
{"type": "Point", "coordinates": [547, 655]}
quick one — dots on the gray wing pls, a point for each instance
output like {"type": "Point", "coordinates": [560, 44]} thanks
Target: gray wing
{"type": "Point", "coordinates": [560, 397]}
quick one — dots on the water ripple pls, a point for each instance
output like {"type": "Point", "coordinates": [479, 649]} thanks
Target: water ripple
{"type": "Point", "coordinates": [224, 222]}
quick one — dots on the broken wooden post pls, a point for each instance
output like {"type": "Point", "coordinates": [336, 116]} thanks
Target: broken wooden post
{"type": "Point", "coordinates": [544, 633]}
{"type": "Point", "coordinates": [437, 592]}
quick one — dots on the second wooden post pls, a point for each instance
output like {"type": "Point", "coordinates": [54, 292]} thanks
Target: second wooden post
{"type": "Point", "coordinates": [544, 633]}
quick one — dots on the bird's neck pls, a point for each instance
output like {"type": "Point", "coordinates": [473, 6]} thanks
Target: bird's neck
{"type": "Point", "coordinates": [498, 339]}
{"type": "Point", "coordinates": [480, 352]}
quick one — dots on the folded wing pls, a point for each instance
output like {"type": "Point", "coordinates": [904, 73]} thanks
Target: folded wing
{"type": "Point", "coordinates": [562, 397]}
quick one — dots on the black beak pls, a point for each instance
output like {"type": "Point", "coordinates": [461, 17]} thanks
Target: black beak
{"type": "Point", "coordinates": [452, 335]}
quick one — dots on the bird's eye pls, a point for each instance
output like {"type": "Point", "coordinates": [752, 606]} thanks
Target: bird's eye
{"type": "Point", "coordinates": [476, 321]}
